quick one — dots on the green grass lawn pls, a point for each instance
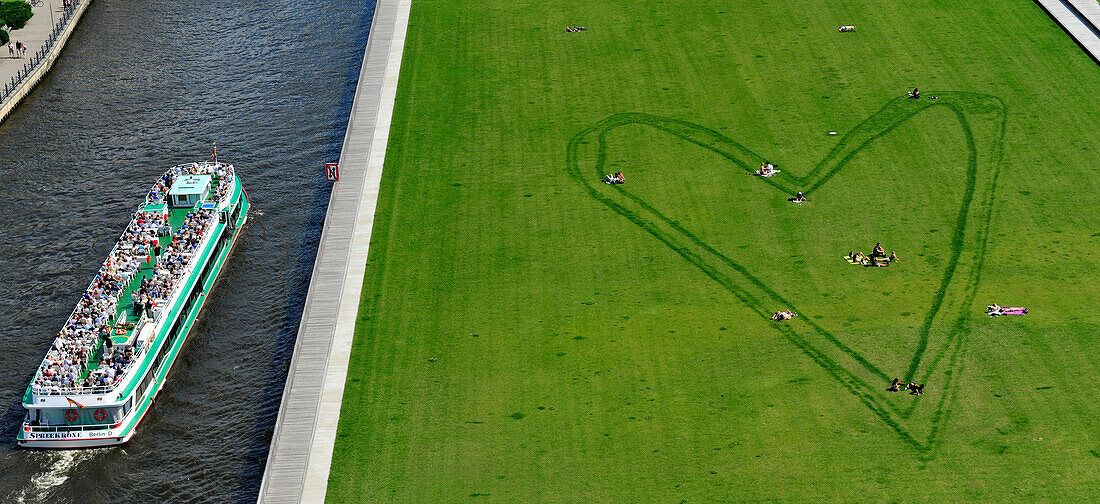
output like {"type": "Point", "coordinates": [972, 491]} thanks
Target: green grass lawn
{"type": "Point", "coordinates": [528, 334]}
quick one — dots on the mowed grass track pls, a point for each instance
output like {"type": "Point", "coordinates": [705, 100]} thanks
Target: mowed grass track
{"type": "Point", "coordinates": [525, 337]}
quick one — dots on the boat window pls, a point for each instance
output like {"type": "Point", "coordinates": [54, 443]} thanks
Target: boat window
{"type": "Point", "coordinates": [144, 385]}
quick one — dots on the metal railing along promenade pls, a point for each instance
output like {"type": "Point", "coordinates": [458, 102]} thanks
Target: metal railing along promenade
{"type": "Point", "coordinates": [33, 60]}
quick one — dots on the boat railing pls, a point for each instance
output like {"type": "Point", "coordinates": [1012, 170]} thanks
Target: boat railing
{"type": "Point", "coordinates": [20, 79]}
{"type": "Point", "coordinates": [139, 351]}
{"type": "Point", "coordinates": [47, 390]}
{"type": "Point", "coordinates": [65, 428]}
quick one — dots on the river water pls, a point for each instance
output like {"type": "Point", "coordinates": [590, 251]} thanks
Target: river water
{"type": "Point", "coordinates": [143, 85]}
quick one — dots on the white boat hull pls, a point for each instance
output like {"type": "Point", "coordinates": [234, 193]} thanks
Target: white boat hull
{"type": "Point", "coordinates": [74, 440]}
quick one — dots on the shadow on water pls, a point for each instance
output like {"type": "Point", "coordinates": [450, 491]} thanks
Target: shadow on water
{"type": "Point", "coordinates": [284, 348]}
{"type": "Point", "coordinates": [143, 85]}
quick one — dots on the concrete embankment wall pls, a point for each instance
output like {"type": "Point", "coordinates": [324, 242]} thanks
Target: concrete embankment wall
{"type": "Point", "coordinates": [1080, 19]}
{"type": "Point", "coordinates": [31, 80]}
{"type": "Point", "coordinates": [298, 463]}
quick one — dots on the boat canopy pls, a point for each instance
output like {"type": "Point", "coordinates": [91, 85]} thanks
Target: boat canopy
{"type": "Point", "coordinates": [189, 190]}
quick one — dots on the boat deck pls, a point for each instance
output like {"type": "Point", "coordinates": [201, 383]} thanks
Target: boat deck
{"type": "Point", "coordinates": [176, 217]}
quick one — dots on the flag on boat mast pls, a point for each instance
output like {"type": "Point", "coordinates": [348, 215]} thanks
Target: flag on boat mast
{"type": "Point", "coordinates": [215, 152]}
{"type": "Point", "coordinates": [74, 402]}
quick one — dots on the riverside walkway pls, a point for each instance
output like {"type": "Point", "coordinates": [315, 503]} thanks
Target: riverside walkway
{"type": "Point", "coordinates": [1080, 18]}
{"type": "Point", "coordinates": [34, 34]}
{"type": "Point", "coordinates": [44, 26]}
{"type": "Point", "coordinates": [298, 462]}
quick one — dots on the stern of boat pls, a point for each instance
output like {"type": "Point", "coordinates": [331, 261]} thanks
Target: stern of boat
{"type": "Point", "coordinates": [69, 437]}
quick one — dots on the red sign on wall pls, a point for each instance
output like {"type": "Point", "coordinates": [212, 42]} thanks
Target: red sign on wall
{"type": "Point", "coordinates": [332, 172]}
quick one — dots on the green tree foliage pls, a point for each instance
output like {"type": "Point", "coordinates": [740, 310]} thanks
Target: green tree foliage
{"type": "Point", "coordinates": [15, 13]}
{"type": "Point", "coordinates": [4, 38]}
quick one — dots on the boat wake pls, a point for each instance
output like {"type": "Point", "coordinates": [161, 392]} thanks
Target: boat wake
{"type": "Point", "coordinates": [58, 466]}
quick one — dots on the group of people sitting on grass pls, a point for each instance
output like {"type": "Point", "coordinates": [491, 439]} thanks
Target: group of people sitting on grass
{"type": "Point", "coordinates": [574, 29]}
{"type": "Point", "coordinates": [614, 178]}
{"type": "Point", "coordinates": [912, 387]}
{"type": "Point", "coordinates": [878, 257]}
{"type": "Point", "coordinates": [847, 28]}
{"type": "Point", "coordinates": [766, 170]}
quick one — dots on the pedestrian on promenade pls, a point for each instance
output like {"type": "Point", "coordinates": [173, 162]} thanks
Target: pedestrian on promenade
{"type": "Point", "coordinates": [11, 50]}
{"type": "Point", "coordinates": [22, 48]}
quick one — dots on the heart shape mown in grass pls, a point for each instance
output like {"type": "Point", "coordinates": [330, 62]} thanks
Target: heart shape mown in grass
{"type": "Point", "coordinates": [664, 201]}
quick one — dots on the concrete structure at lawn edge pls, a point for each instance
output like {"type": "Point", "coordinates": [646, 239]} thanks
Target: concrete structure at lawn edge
{"type": "Point", "coordinates": [1080, 18]}
{"type": "Point", "coordinates": [298, 462]}
{"type": "Point", "coordinates": [38, 28]}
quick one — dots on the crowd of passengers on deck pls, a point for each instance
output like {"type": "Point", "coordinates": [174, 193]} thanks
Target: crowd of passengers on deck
{"type": "Point", "coordinates": [172, 263]}
{"type": "Point", "coordinates": [159, 192]}
{"type": "Point", "coordinates": [91, 321]}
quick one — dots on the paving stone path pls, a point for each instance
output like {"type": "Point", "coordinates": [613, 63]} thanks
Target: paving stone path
{"type": "Point", "coordinates": [34, 35]}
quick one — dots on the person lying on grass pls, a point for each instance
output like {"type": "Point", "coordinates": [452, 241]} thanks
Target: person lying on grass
{"type": "Point", "coordinates": [783, 315]}
{"type": "Point", "coordinates": [798, 198]}
{"type": "Point", "coordinates": [995, 310]}
{"type": "Point", "coordinates": [614, 178]}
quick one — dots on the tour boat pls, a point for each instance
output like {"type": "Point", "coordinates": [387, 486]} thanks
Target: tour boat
{"type": "Point", "coordinates": [113, 354]}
